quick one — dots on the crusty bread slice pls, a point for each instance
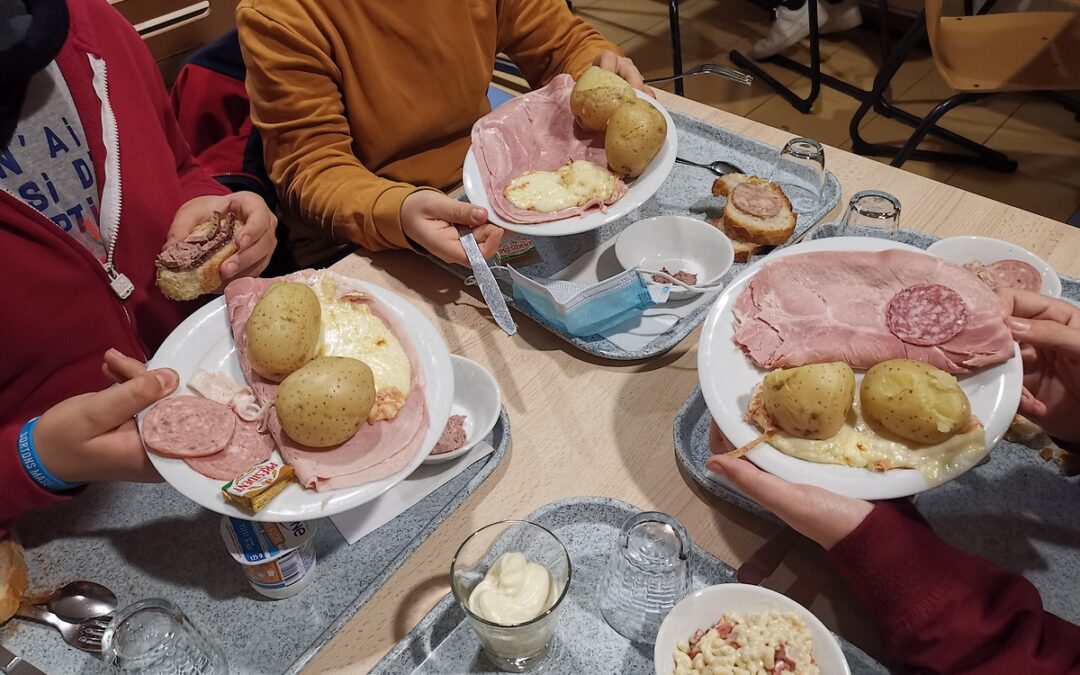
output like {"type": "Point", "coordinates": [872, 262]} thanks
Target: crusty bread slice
{"type": "Point", "coordinates": [206, 278]}
{"type": "Point", "coordinates": [743, 249]}
{"type": "Point", "coordinates": [723, 185]}
{"type": "Point", "coordinates": [13, 578]}
{"type": "Point", "coordinates": [748, 227]}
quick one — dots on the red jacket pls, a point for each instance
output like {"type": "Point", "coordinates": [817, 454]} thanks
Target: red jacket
{"type": "Point", "coordinates": [944, 611]}
{"type": "Point", "coordinates": [59, 312]}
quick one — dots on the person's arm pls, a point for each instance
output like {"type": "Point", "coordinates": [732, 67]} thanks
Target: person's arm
{"type": "Point", "coordinates": [307, 141]}
{"type": "Point", "coordinates": [544, 39]}
{"type": "Point", "coordinates": [18, 492]}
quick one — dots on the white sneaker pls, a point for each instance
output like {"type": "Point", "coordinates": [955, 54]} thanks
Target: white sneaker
{"type": "Point", "coordinates": [791, 25]}
{"type": "Point", "coordinates": [840, 17]}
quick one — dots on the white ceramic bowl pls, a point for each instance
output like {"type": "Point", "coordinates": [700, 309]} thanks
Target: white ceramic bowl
{"type": "Point", "coordinates": [702, 609]}
{"type": "Point", "coordinates": [477, 397]}
{"type": "Point", "coordinates": [678, 243]}
{"type": "Point", "coordinates": [987, 250]}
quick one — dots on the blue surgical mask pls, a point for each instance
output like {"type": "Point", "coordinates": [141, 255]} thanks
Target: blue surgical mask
{"type": "Point", "coordinates": [587, 309]}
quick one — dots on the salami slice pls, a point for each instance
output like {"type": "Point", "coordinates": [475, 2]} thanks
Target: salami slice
{"type": "Point", "coordinates": [757, 200]}
{"type": "Point", "coordinates": [1016, 274]}
{"type": "Point", "coordinates": [246, 448]}
{"type": "Point", "coordinates": [188, 426]}
{"type": "Point", "coordinates": [926, 315]}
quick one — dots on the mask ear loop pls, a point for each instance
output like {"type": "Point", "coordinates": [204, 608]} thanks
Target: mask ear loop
{"type": "Point", "coordinates": [704, 288]}
{"type": "Point", "coordinates": [471, 279]}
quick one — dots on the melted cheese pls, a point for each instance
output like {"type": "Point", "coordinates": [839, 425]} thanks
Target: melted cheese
{"type": "Point", "coordinates": [350, 329]}
{"type": "Point", "coordinates": [572, 185]}
{"type": "Point", "coordinates": [859, 445]}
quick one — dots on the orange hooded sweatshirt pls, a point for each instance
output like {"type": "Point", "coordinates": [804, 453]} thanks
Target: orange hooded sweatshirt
{"type": "Point", "coordinates": [362, 102]}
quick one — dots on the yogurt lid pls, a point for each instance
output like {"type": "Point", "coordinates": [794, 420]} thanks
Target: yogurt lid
{"type": "Point", "coordinates": [251, 543]}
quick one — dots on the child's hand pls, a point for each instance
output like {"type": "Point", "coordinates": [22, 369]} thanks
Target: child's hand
{"type": "Point", "coordinates": [256, 240]}
{"type": "Point", "coordinates": [429, 218]}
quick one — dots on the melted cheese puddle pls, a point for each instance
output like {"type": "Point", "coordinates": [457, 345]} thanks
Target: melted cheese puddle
{"type": "Point", "coordinates": [572, 185]}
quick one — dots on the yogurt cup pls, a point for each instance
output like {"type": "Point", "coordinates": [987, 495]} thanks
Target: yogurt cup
{"type": "Point", "coordinates": [278, 558]}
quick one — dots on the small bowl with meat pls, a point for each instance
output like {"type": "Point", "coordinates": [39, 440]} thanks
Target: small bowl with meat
{"type": "Point", "coordinates": [688, 249]}
{"type": "Point", "coordinates": [1000, 263]}
{"type": "Point", "coordinates": [474, 412]}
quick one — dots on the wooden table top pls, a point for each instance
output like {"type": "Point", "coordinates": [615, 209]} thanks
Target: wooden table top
{"type": "Point", "coordinates": [585, 426]}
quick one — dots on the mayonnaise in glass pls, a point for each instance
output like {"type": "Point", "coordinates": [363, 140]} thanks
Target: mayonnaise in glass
{"type": "Point", "coordinates": [514, 591]}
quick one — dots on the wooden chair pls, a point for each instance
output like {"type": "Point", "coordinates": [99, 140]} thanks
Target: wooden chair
{"type": "Point", "coordinates": [995, 53]}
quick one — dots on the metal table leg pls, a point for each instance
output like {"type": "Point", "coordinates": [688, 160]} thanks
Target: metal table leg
{"type": "Point", "coordinates": [676, 44]}
{"type": "Point", "coordinates": [803, 105]}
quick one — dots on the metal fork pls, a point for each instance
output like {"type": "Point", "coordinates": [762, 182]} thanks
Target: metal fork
{"type": "Point", "coordinates": [85, 636]}
{"type": "Point", "coordinates": [711, 69]}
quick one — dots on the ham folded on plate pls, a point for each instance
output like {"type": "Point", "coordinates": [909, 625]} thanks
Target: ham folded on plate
{"type": "Point", "coordinates": [838, 306]}
{"type": "Point", "coordinates": [535, 132]}
{"type": "Point", "coordinates": [378, 450]}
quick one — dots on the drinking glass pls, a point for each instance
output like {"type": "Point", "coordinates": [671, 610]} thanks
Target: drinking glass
{"type": "Point", "coordinates": [153, 637]}
{"type": "Point", "coordinates": [647, 574]}
{"type": "Point", "coordinates": [518, 647]}
{"type": "Point", "coordinates": [800, 171]}
{"type": "Point", "coordinates": [871, 213]}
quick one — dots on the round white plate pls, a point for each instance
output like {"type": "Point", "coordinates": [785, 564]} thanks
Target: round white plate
{"type": "Point", "coordinates": [728, 378]}
{"type": "Point", "coordinates": [987, 250]}
{"type": "Point", "coordinates": [704, 608]}
{"type": "Point", "coordinates": [205, 341]}
{"type": "Point", "coordinates": [477, 397]}
{"type": "Point", "coordinates": [640, 189]}
{"type": "Point", "coordinates": [677, 243]}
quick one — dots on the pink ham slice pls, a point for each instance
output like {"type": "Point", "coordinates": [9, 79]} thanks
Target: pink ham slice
{"type": "Point", "coordinates": [246, 448]}
{"type": "Point", "coordinates": [187, 426]}
{"type": "Point", "coordinates": [535, 132]}
{"type": "Point", "coordinates": [832, 306]}
{"type": "Point", "coordinates": [378, 450]}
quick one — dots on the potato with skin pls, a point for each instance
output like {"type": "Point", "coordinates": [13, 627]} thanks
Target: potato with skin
{"type": "Point", "coordinates": [810, 401]}
{"type": "Point", "coordinates": [635, 133]}
{"type": "Point", "coordinates": [283, 331]}
{"type": "Point", "coordinates": [914, 400]}
{"type": "Point", "coordinates": [326, 402]}
{"type": "Point", "coordinates": [596, 96]}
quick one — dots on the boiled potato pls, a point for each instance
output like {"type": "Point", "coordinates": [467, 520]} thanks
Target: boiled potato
{"type": "Point", "coordinates": [635, 133]}
{"type": "Point", "coordinates": [596, 95]}
{"type": "Point", "coordinates": [283, 331]}
{"type": "Point", "coordinates": [327, 401]}
{"type": "Point", "coordinates": [810, 401]}
{"type": "Point", "coordinates": [914, 400]}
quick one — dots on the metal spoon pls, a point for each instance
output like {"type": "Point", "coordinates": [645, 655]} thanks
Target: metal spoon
{"type": "Point", "coordinates": [718, 167]}
{"type": "Point", "coordinates": [81, 600]}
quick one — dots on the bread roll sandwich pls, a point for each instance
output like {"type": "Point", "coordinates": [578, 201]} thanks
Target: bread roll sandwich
{"type": "Point", "coordinates": [757, 213]}
{"type": "Point", "coordinates": [13, 579]}
{"type": "Point", "coordinates": [189, 268]}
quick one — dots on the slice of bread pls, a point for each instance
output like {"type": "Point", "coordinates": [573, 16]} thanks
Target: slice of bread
{"type": "Point", "coordinates": [188, 284]}
{"type": "Point", "coordinates": [743, 226]}
{"type": "Point", "coordinates": [13, 578]}
{"type": "Point", "coordinates": [743, 249]}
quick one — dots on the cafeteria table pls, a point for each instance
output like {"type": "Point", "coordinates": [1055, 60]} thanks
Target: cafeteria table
{"type": "Point", "coordinates": [585, 426]}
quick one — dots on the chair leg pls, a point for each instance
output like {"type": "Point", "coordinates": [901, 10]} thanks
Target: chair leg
{"type": "Point", "coordinates": [990, 159]}
{"type": "Point", "coordinates": [676, 44]}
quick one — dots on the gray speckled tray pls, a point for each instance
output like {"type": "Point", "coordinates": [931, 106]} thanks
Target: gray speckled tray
{"type": "Point", "coordinates": [686, 192]}
{"type": "Point", "coordinates": [443, 642]}
{"type": "Point", "coordinates": [1015, 509]}
{"type": "Point", "coordinates": [149, 541]}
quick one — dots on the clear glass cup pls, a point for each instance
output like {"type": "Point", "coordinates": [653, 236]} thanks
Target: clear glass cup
{"type": "Point", "coordinates": [518, 647]}
{"type": "Point", "coordinates": [153, 637]}
{"type": "Point", "coordinates": [800, 171]}
{"type": "Point", "coordinates": [871, 213]}
{"type": "Point", "coordinates": [647, 574]}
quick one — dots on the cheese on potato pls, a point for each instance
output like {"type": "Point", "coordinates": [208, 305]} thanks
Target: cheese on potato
{"type": "Point", "coordinates": [570, 186]}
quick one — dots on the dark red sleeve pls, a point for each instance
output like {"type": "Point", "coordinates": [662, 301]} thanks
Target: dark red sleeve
{"type": "Point", "coordinates": [18, 492]}
{"type": "Point", "coordinates": [945, 611]}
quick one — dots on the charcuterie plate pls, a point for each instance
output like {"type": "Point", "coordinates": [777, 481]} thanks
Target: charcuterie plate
{"type": "Point", "coordinates": [728, 378]}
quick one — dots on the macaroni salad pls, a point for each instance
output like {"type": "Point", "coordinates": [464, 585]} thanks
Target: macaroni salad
{"type": "Point", "coordinates": [764, 643]}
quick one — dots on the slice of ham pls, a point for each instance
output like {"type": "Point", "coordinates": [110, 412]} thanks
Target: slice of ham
{"type": "Point", "coordinates": [187, 426]}
{"type": "Point", "coordinates": [535, 132]}
{"type": "Point", "coordinates": [833, 305]}
{"type": "Point", "coordinates": [376, 451]}
{"type": "Point", "coordinates": [245, 449]}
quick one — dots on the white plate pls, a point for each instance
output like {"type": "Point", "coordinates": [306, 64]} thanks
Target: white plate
{"type": "Point", "coordinates": [704, 608]}
{"type": "Point", "coordinates": [987, 250]}
{"type": "Point", "coordinates": [677, 243]}
{"type": "Point", "coordinates": [728, 377]}
{"type": "Point", "coordinates": [205, 341]}
{"type": "Point", "coordinates": [640, 189]}
{"type": "Point", "coordinates": [477, 397]}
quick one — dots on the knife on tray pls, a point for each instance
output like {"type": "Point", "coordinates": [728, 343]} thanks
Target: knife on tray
{"type": "Point", "coordinates": [489, 288]}
{"type": "Point", "coordinates": [10, 664]}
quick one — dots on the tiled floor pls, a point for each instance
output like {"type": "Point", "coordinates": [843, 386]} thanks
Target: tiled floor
{"type": "Point", "coordinates": [1040, 134]}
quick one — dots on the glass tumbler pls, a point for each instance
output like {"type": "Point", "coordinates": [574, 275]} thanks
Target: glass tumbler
{"type": "Point", "coordinates": [513, 648]}
{"type": "Point", "coordinates": [647, 574]}
{"type": "Point", "coordinates": [153, 637]}
{"type": "Point", "coordinates": [800, 171]}
{"type": "Point", "coordinates": [871, 213]}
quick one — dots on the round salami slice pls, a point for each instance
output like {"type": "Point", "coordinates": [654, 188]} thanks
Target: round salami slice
{"type": "Point", "coordinates": [757, 200]}
{"type": "Point", "coordinates": [245, 449]}
{"type": "Point", "coordinates": [1016, 274]}
{"type": "Point", "coordinates": [188, 426]}
{"type": "Point", "coordinates": [926, 315]}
